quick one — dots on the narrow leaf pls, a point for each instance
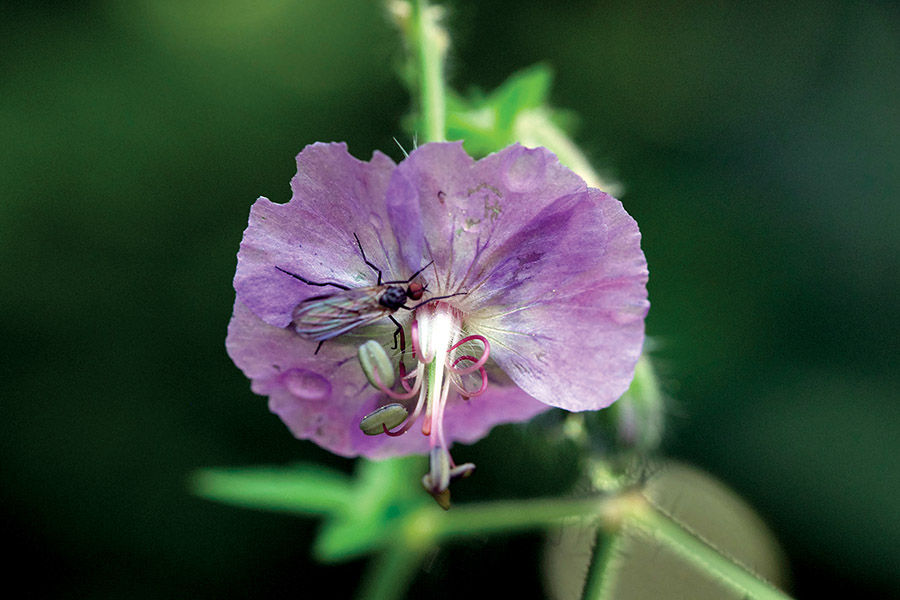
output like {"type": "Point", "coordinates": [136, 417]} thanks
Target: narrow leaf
{"type": "Point", "coordinates": [303, 489]}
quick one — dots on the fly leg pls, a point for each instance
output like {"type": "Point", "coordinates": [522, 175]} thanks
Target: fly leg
{"type": "Point", "coordinates": [363, 252]}
{"type": "Point", "coordinates": [377, 270]}
{"type": "Point", "coordinates": [398, 333]}
{"type": "Point", "coordinates": [308, 282]}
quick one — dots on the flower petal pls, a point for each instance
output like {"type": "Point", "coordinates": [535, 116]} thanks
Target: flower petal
{"type": "Point", "coordinates": [567, 306]}
{"type": "Point", "coordinates": [316, 395]}
{"type": "Point", "coordinates": [335, 196]}
{"type": "Point", "coordinates": [553, 272]}
{"type": "Point", "coordinates": [552, 275]}
{"type": "Point", "coordinates": [468, 207]}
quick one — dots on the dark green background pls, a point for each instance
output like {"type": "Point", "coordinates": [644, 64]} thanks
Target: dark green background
{"type": "Point", "coordinates": [760, 149]}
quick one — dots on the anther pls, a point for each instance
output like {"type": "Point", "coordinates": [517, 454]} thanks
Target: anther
{"type": "Point", "coordinates": [376, 365]}
{"type": "Point", "coordinates": [384, 418]}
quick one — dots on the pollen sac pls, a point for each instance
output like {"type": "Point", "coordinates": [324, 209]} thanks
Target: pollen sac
{"type": "Point", "coordinates": [376, 365]}
{"type": "Point", "coordinates": [385, 417]}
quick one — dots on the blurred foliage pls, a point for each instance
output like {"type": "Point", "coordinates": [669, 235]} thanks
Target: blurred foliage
{"type": "Point", "coordinates": [758, 148]}
{"type": "Point", "coordinates": [486, 122]}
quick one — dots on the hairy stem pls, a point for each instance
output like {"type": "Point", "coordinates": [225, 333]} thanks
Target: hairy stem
{"type": "Point", "coordinates": [429, 42]}
{"type": "Point", "coordinates": [670, 533]}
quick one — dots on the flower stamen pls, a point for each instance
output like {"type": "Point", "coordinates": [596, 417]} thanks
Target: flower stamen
{"type": "Point", "coordinates": [478, 363]}
{"type": "Point", "coordinates": [391, 393]}
{"type": "Point", "coordinates": [441, 364]}
{"type": "Point", "coordinates": [419, 373]}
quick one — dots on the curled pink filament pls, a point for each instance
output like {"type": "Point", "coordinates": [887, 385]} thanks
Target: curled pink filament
{"type": "Point", "coordinates": [477, 364]}
{"type": "Point", "coordinates": [404, 376]}
{"type": "Point", "coordinates": [397, 433]}
{"type": "Point", "coordinates": [391, 393]}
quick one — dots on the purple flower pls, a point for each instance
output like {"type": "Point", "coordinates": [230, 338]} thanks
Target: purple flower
{"type": "Point", "coordinates": [544, 287]}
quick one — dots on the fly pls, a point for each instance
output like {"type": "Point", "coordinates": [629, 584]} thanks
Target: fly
{"type": "Point", "coordinates": [325, 317]}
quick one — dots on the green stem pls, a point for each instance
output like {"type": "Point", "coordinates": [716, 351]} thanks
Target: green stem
{"type": "Point", "coordinates": [430, 42]}
{"type": "Point", "coordinates": [686, 544]}
{"type": "Point", "coordinates": [390, 573]}
{"type": "Point", "coordinates": [599, 582]}
{"type": "Point", "coordinates": [430, 526]}
{"type": "Point", "coordinates": [614, 514]}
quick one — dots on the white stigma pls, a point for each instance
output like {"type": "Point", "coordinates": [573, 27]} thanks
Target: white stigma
{"type": "Point", "coordinates": [438, 331]}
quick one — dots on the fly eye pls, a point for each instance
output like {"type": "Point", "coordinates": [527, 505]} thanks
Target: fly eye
{"type": "Point", "coordinates": [415, 291]}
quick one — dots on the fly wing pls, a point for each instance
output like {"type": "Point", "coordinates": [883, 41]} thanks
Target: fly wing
{"type": "Point", "coordinates": [325, 317]}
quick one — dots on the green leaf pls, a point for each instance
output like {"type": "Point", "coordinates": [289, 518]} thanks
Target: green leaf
{"type": "Point", "coordinates": [383, 494]}
{"type": "Point", "coordinates": [302, 489]}
{"type": "Point", "coordinates": [347, 537]}
{"type": "Point", "coordinates": [487, 123]}
{"type": "Point", "coordinates": [526, 89]}
{"type": "Point", "coordinates": [362, 514]}
{"type": "Point", "coordinates": [518, 111]}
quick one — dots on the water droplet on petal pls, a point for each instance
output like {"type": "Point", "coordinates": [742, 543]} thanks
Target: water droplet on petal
{"type": "Point", "coordinates": [306, 385]}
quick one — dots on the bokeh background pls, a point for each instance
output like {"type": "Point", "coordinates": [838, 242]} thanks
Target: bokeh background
{"type": "Point", "coordinates": [759, 145]}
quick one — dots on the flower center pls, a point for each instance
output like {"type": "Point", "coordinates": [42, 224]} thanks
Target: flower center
{"type": "Point", "coordinates": [444, 360]}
